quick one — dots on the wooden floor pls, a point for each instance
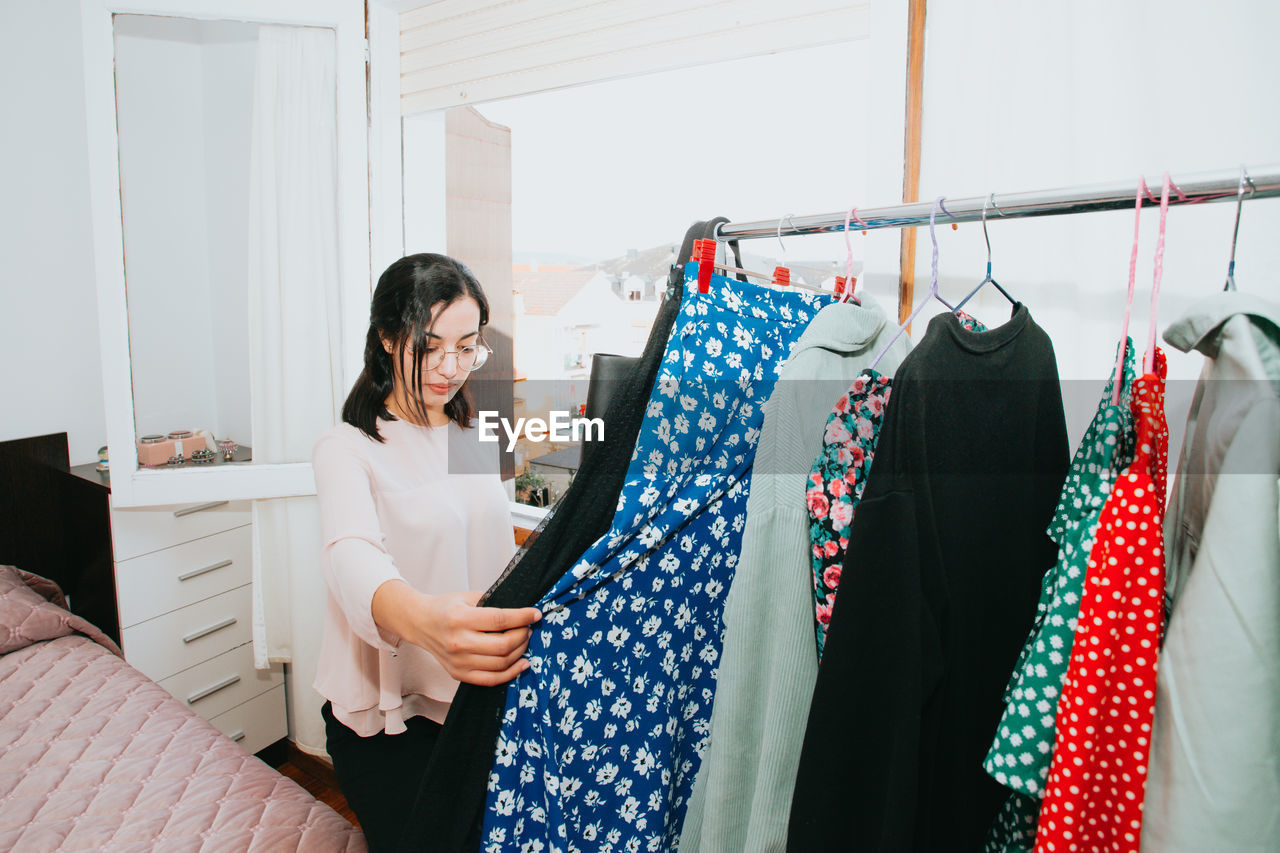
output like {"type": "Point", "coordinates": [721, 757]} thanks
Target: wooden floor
{"type": "Point", "coordinates": [317, 778]}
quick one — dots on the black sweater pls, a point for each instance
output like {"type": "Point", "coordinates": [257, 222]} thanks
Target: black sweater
{"type": "Point", "coordinates": [937, 592]}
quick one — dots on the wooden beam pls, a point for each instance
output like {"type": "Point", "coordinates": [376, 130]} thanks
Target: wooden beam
{"type": "Point", "coordinates": [911, 145]}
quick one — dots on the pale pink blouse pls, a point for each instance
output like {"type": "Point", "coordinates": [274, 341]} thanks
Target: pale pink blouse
{"type": "Point", "coordinates": [426, 506]}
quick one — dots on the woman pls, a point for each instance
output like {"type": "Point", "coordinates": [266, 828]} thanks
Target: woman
{"type": "Point", "coordinates": [416, 524]}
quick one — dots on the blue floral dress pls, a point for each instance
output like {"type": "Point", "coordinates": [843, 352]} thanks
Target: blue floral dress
{"type": "Point", "coordinates": [602, 736]}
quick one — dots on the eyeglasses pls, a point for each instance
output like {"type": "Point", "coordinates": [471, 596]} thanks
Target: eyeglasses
{"type": "Point", "coordinates": [469, 358]}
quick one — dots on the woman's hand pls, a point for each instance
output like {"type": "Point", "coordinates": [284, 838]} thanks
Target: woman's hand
{"type": "Point", "coordinates": [478, 645]}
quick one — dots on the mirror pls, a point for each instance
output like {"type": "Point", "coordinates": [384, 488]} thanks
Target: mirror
{"type": "Point", "coordinates": [184, 102]}
{"type": "Point", "coordinates": [229, 182]}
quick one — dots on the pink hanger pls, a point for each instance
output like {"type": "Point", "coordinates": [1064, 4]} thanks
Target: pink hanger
{"type": "Point", "coordinates": [848, 258]}
{"type": "Point", "coordinates": [1128, 305]}
{"type": "Point", "coordinates": [1149, 360]}
{"type": "Point", "coordinates": [846, 294]}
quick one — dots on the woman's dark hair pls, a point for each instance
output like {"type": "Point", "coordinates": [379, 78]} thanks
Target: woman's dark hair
{"type": "Point", "coordinates": [409, 293]}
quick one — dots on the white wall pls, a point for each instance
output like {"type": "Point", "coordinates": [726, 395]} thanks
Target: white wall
{"type": "Point", "coordinates": [534, 358]}
{"type": "Point", "coordinates": [1030, 96]}
{"type": "Point", "coordinates": [50, 380]}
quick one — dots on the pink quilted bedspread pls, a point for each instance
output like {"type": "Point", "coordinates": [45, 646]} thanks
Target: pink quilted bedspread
{"type": "Point", "coordinates": [95, 756]}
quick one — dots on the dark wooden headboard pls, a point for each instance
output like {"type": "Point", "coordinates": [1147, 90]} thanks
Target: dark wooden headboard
{"type": "Point", "coordinates": [58, 525]}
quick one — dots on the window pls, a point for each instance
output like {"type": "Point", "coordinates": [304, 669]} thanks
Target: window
{"type": "Point", "coordinates": [606, 178]}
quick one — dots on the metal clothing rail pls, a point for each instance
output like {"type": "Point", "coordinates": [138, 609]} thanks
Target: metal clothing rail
{"type": "Point", "coordinates": [1225, 185]}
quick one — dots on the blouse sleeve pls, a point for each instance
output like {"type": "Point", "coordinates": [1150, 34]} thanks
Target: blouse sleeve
{"type": "Point", "coordinates": [354, 557]}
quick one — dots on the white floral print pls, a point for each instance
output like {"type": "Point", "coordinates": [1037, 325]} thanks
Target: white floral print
{"type": "Point", "coordinates": [623, 665]}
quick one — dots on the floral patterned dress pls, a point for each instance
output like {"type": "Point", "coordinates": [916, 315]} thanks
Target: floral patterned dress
{"type": "Point", "coordinates": [836, 482]}
{"type": "Point", "coordinates": [1022, 750]}
{"type": "Point", "coordinates": [602, 736]}
{"type": "Point", "coordinates": [838, 477]}
{"type": "Point", "coordinates": [1094, 794]}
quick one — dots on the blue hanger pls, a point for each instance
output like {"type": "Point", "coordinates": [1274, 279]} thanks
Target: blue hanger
{"type": "Point", "coordinates": [991, 199]}
{"type": "Point", "coordinates": [933, 286]}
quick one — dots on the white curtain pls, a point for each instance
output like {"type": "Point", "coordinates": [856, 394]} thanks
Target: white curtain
{"type": "Point", "coordinates": [296, 382]}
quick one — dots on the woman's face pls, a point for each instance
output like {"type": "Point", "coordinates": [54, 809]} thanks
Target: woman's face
{"type": "Point", "coordinates": [454, 326]}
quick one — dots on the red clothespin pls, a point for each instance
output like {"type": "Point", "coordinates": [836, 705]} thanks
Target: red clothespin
{"type": "Point", "coordinates": [781, 276]}
{"type": "Point", "coordinates": [844, 289]}
{"type": "Point", "coordinates": [704, 254]}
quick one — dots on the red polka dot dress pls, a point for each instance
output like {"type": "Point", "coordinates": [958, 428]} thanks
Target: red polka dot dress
{"type": "Point", "coordinates": [1093, 797]}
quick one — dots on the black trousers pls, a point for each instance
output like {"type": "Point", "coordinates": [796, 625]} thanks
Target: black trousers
{"type": "Point", "coordinates": [380, 775]}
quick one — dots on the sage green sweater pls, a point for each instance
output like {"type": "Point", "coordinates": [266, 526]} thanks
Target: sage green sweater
{"type": "Point", "coordinates": [742, 796]}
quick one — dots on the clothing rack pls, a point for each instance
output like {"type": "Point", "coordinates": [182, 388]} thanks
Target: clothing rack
{"type": "Point", "coordinates": [1200, 188]}
{"type": "Point", "coordinates": [1225, 185]}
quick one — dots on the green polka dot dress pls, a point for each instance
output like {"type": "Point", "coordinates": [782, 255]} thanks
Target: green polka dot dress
{"type": "Point", "coordinates": [1022, 751]}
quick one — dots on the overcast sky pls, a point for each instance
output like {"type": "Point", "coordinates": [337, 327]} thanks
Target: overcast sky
{"type": "Point", "coordinates": [630, 164]}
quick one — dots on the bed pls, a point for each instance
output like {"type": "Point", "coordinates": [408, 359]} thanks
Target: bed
{"type": "Point", "coordinates": [96, 756]}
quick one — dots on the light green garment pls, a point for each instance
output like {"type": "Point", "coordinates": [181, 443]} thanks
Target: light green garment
{"type": "Point", "coordinates": [1214, 778]}
{"type": "Point", "coordinates": [742, 797]}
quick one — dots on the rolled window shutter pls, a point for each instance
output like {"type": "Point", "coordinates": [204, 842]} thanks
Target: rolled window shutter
{"type": "Point", "coordinates": [455, 52]}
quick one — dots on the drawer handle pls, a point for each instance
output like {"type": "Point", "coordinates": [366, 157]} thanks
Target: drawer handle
{"type": "Point", "coordinates": [212, 689]}
{"type": "Point", "coordinates": [188, 510]}
{"type": "Point", "coordinates": [237, 735]}
{"type": "Point", "coordinates": [204, 632]}
{"type": "Point", "coordinates": [195, 573]}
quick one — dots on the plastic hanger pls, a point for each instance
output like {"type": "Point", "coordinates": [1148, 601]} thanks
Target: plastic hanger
{"type": "Point", "coordinates": [782, 274]}
{"type": "Point", "coordinates": [1128, 305]}
{"type": "Point", "coordinates": [1149, 359]}
{"type": "Point", "coordinates": [933, 286]}
{"type": "Point", "coordinates": [845, 285]}
{"type": "Point", "coordinates": [991, 199]}
{"type": "Point", "coordinates": [704, 255]}
{"type": "Point", "coordinates": [939, 203]}
{"type": "Point", "coordinates": [1235, 232]}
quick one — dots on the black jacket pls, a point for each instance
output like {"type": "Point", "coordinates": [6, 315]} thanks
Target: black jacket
{"type": "Point", "coordinates": [937, 593]}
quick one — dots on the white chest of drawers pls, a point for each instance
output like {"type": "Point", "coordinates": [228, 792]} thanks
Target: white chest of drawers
{"type": "Point", "coordinates": [184, 589]}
